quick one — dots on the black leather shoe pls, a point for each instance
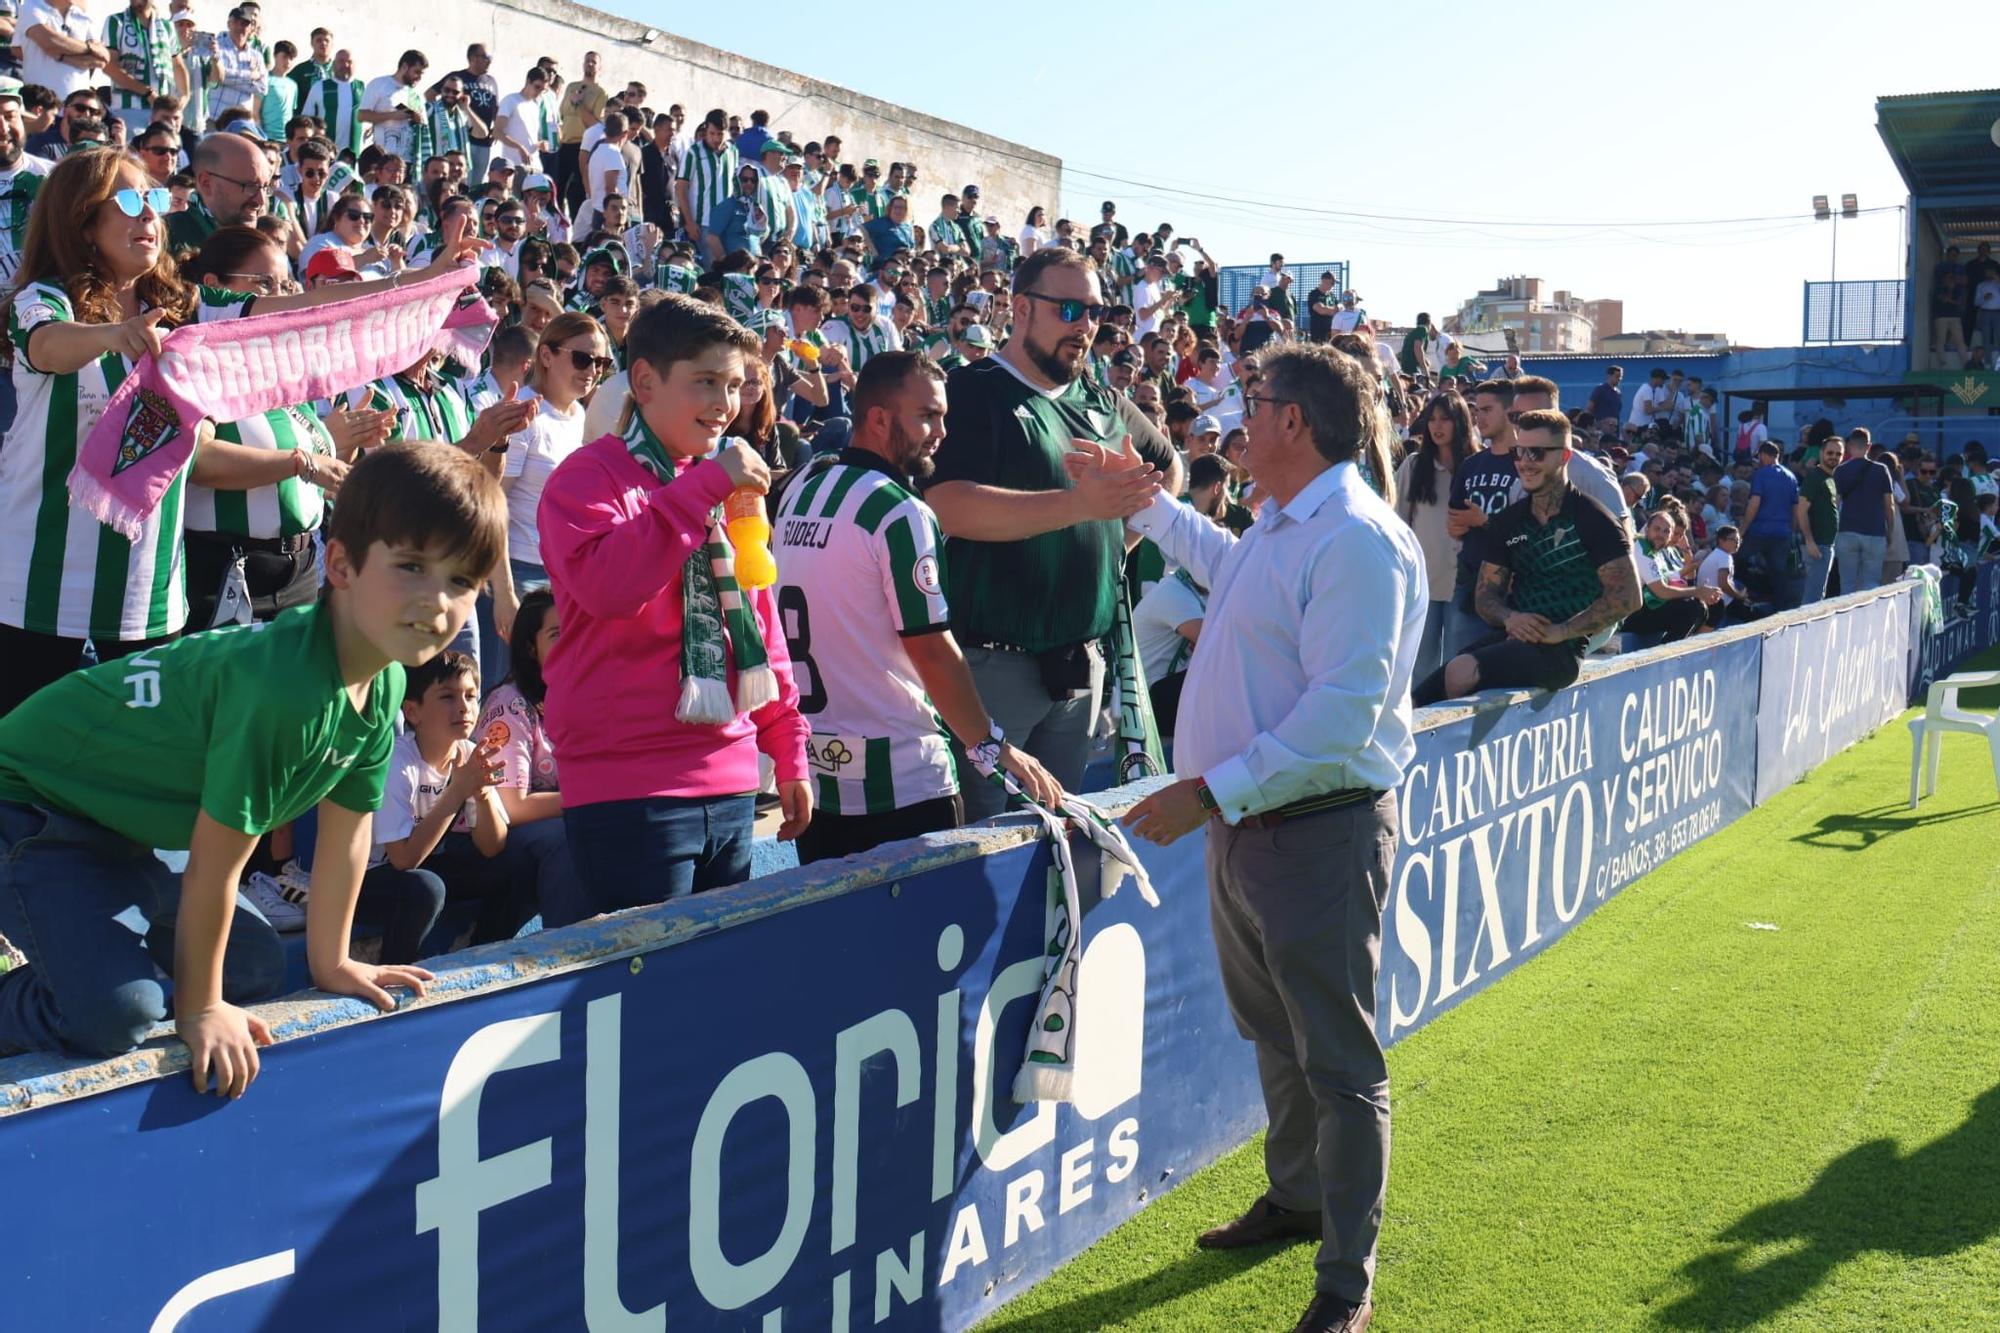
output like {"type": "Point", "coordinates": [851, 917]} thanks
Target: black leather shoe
{"type": "Point", "coordinates": [1264, 1224]}
{"type": "Point", "coordinates": [1330, 1314]}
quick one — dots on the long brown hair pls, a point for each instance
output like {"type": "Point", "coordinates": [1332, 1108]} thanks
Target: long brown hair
{"type": "Point", "coordinates": [59, 249]}
{"type": "Point", "coordinates": [757, 423]}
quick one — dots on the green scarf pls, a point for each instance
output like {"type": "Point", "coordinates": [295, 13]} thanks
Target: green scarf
{"type": "Point", "coordinates": [715, 616]}
{"type": "Point", "coordinates": [1140, 754]}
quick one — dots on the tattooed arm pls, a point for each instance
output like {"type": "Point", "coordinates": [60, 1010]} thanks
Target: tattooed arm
{"type": "Point", "coordinates": [1489, 596]}
{"type": "Point", "coordinates": [1619, 598]}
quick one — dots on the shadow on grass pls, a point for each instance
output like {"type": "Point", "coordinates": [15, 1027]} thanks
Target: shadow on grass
{"type": "Point", "coordinates": [1195, 1271]}
{"type": "Point", "coordinates": [1858, 832]}
{"type": "Point", "coordinates": [1936, 1201]}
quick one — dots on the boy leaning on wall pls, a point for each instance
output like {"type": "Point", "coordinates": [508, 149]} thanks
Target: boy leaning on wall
{"type": "Point", "coordinates": [205, 743]}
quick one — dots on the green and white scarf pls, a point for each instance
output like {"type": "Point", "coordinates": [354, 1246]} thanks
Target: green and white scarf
{"type": "Point", "coordinates": [715, 616]}
{"type": "Point", "coordinates": [1140, 754]}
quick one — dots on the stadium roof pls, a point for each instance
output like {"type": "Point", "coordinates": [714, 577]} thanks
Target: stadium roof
{"type": "Point", "coordinates": [1943, 142]}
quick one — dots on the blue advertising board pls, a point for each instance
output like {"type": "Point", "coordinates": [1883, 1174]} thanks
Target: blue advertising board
{"type": "Point", "coordinates": [784, 1105]}
{"type": "Point", "coordinates": [1829, 680]}
{"type": "Point", "coordinates": [1518, 821]}
{"type": "Point", "coordinates": [1970, 625]}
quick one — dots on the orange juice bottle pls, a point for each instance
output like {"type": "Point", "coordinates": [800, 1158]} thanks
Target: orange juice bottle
{"type": "Point", "coordinates": [750, 533]}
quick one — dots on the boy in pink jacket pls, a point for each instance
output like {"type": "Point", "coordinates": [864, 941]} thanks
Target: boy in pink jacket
{"type": "Point", "coordinates": [667, 679]}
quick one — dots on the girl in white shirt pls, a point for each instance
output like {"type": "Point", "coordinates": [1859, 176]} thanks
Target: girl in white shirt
{"type": "Point", "coordinates": [572, 357]}
{"type": "Point", "coordinates": [1034, 234]}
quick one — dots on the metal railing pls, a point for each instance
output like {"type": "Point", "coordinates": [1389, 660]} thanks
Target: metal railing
{"type": "Point", "coordinates": [1864, 311]}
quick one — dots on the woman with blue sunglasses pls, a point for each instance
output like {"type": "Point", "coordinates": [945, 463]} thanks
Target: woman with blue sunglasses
{"type": "Point", "coordinates": [97, 289]}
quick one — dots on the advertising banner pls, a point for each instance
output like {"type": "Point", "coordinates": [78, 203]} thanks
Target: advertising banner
{"type": "Point", "coordinates": [1827, 682]}
{"type": "Point", "coordinates": [789, 1124]}
{"type": "Point", "coordinates": [1518, 822]}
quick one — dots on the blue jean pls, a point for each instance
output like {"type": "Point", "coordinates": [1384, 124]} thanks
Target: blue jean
{"type": "Point", "coordinates": [1861, 558]}
{"type": "Point", "coordinates": [638, 852]}
{"type": "Point", "coordinates": [1767, 563]}
{"type": "Point", "coordinates": [403, 905]}
{"type": "Point", "coordinates": [1461, 630]}
{"type": "Point", "coordinates": [94, 913]}
{"type": "Point", "coordinates": [1816, 572]}
{"type": "Point", "coordinates": [499, 658]}
{"type": "Point", "coordinates": [540, 850]}
{"type": "Point", "coordinates": [1430, 650]}
{"type": "Point", "coordinates": [482, 153]}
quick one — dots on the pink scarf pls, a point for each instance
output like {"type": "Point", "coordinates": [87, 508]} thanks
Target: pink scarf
{"type": "Point", "coordinates": [232, 369]}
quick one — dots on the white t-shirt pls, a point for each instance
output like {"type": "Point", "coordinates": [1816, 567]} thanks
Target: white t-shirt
{"type": "Point", "coordinates": [410, 791]}
{"type": "Point", "coordinates": [37, 65]}
{"type": "Point", "coordinates": [606, 160]}
{"type": "Point", "coordinates": [521, 118]}
{"type": "Point", "coordinates": [1347, 321]}
{"type": "Point", "coordinates": [1032, 239]}
{"type": "Point", "coordinates": [394, 136]}
{"type": "Point", "coordinates": [1145, 293]}
{"type": "Point", "coordinates": [1661, 398]}
{"type": "Point", "coordinates": [532, 454]}
{"type": "Point", "coordinates": [1713, 566]}
{"type": "Point", "coordinates": [857, 572]}
{"type": "Point", "coordinates": [1156, 623]}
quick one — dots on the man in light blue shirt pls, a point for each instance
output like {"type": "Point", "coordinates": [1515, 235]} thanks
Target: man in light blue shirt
{"type": "Point", "coordinates": [1313, 738]}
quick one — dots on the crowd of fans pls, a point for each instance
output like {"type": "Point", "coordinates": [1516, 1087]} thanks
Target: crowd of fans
{"type": "Point", "coordinates": [271, 174]}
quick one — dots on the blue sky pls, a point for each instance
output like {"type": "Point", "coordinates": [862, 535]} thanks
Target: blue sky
{"type": "Point", "coordinates": [1299, 115]}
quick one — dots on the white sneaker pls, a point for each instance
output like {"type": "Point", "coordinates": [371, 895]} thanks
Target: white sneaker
{"type": "Point", "coordinates": [284, 915]}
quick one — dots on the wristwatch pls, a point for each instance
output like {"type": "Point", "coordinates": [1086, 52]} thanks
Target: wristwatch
{"type": "Point", "coordinates": [1206, 797]}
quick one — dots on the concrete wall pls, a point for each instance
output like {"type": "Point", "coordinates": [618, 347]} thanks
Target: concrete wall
{"type": "Point", "coordinates": [1011, 177]}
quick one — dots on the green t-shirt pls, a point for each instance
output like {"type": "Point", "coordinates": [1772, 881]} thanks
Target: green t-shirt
{"type": "Point", "coordinates": [1555, 564]}
{"type": "Point", "coordinates": [1822, 510]}
{"type": "Point", "coordinates": [1059, 588]}
{"type": "Point", "coordinates": [249, 723]}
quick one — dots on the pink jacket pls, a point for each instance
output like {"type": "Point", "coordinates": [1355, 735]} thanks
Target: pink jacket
{"type": "Point", "coordinates": [614, 541]}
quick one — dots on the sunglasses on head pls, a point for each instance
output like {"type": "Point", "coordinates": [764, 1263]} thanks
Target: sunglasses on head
{"type": "Point", "coordinates": [582, 360]}
{"type": "Point", "coordinates": [134, 202]}
{"type": "Point", "coordinates": [1069, 311]}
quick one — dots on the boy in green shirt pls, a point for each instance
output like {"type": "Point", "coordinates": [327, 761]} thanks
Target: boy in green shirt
{"type": "Point", "coordinates": [205, 743]}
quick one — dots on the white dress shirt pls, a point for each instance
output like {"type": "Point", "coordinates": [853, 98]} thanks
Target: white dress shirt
{"type": "Point", "coordinates": [1301, 682]}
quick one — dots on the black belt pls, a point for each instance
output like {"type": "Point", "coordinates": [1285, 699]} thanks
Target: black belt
{"type": "Point", "coordinates": [293, 545]}
{"type": "Point", "coordinates": [1308, 805]}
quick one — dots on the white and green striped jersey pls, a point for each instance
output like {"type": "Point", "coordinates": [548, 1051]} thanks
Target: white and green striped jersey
{"type": "Point", "coordinates": [143, 48]}
{"type": "Point", "coordinates": [880, 336]}
{"type": "Point", "coordinates": [338, 103]}
{"type": "Point", "coordinates": [857, 573]}
{"type": "Point", "coordinates": [290, 507]}
{"type": "Point", "coordinates": [436, 411]}
{"type": "Point", "coordinates": [61, 571]}
{"type": "Point", "coordinates": [675, 277]}
{"type": "Point", "coordinates": [711, 178]}
{"type": "Point", "coordinates": [18, 189]}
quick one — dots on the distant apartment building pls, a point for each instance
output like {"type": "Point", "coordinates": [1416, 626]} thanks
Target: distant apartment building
{"type": "Point", "coordinates": [1661, 342]}
{"type": "Point", "coordinates": [1536, 319]}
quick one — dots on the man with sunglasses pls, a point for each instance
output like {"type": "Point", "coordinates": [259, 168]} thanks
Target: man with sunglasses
{"type": "Point", "coordinates": [1555, 572]}
{"type": "Point", "coordinates": [1034, 559]}
{"type": "Point", "coordinates": [232, 181]}
{"type": "Point", "coordinates": [860, 331]}
{"type": "Point", "coordinates": [82, 117]}
{"type": "Point", "coordinates": [156, 149]}
{"type": "Point", "coordinates": [21, 177]}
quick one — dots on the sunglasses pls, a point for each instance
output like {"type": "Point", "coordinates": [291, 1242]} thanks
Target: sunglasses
{"type": "Point", "coordinates": [861, 309]}
{"type": "Point", "coordinates": [1070, 311]}
{"type": "Point", "coordinates": [582, 360]}
{"type": "Point", "coordinates": [261, 283]}
{"type": "Point", "coordinates": [359, 215]}
{"type": "Point", "coordinates": [1535, 453]}
{"type": "Point", "coordinates": [134, 202]}
{"type": "Point", "coordinates": [158, 150]}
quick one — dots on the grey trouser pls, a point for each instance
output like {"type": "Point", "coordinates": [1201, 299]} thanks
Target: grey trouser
{"type": "Point", "coordinates": [1297, 915]}
{"type": "Point", "coordinates": [1057, 732]}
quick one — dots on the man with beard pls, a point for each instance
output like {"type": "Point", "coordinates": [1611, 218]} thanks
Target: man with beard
{"type": "Point", "coordinates": [21, 176]}
{"type": "Point", "coordinates": [1034, 558]}
{"type": "Point", "coordinates": [864, 613]}
{"type": "Point", "coordinates": [232, 179]}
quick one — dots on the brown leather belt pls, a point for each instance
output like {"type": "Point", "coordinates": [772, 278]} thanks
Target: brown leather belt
{"type": "Point", "coordinates": [1309, 805]}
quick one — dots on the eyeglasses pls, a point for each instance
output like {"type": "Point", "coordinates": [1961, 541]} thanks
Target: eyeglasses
{"type": "Point", "coordinates": [1069, 310]}
{"type": "Point", "coordinates": [513, 220]}
{"type": "Point", "coordinates": [134, 202]}
{"type": "Point", "coordinates": [261, 283]}
{"type": "Point", "coordinates": [358, 215]}
{"type": "Point", "coordinates": [1535, 453]}
{"type": "Point", "coordinates": [589, 361]}
{"type": "Point", "coordinates": [256, 185]}
{"type": "Point", "coordinates": [1250, 399]}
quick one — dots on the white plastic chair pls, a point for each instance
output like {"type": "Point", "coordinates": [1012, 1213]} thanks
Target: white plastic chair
{"type": "Point", "coordinates": [1942, 714]}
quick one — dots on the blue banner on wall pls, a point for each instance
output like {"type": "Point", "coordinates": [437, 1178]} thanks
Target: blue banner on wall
{"type": "Point", "coordinates": [1518, 822]}
{"type": "Point", "coordinates": [789, 1124]}
{"type": "Point", "coordinates": [1828, 682]}
{"type": "Point", "coordinates": [798, 1120]}
{"type": "Point", "coordinates": [1970, 625]}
